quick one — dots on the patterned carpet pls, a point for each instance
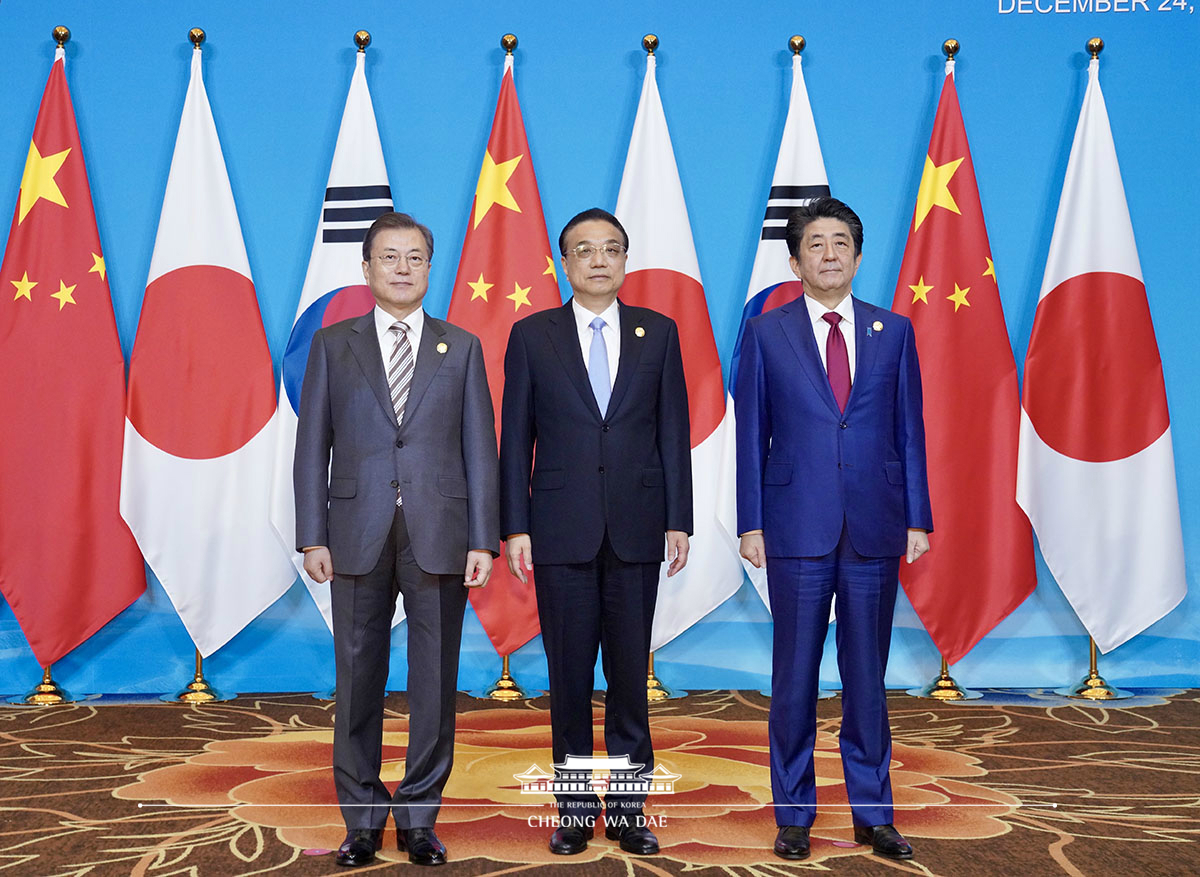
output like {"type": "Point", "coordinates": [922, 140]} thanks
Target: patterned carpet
{"type": "Point", "coordinates": [1019, 783]}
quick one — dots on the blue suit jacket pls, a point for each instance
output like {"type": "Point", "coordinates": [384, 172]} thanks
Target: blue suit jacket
{"type": "Point", "coordinates": [803, 467]}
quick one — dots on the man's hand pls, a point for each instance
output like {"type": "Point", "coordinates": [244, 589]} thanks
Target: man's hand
{"type": "Point", "coordinates": [753, 549]}
{"type": "Point", "coordinates": [479, 569]}
{"type": "Point", "coordinates": [318, 563]}
{"type": "Point", "coordinates": [519, 549]}
{"type": "Point", "coordinates": [677, 551]}
{"type": "Point", "coordinates": [918, 544]}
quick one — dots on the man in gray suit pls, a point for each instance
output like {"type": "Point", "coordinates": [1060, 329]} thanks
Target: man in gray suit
{"type": "Point", "coordinates": [396, 493]}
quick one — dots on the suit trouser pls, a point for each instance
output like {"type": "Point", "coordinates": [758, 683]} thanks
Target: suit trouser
{"type": "Point", "coordinates": [582, 607]}
{"type": "Point", "coordinates": [363, 607]}
{"type": "Point", "coordinates": [801, 589]}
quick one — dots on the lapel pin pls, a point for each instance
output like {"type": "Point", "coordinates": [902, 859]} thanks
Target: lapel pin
{"type": "Point", "coordinates": [877, 326]}
{"type": "Point", "coordinates": [640, 332]}
{"type": "Point", "coordinates": [442, 347]}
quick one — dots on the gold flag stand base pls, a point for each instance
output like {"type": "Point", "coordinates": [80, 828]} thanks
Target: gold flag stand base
{"type": "Point", "coordinates": [45, 693]}
{"type": "Point", "coordinates": [198, 691]}
{"type": "Point", "coordinates": [944, 688]}
{"type": "Point", "coordinates": [656, 692]}
{"type": "Point", "coordinates": [505, 689]}
{"type": "Point", "coordinates": [1093, 686]}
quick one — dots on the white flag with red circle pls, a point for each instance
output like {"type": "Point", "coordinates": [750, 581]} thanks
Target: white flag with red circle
{"type": "Point", "coordinates": [199, 428]}
{"type": "Point", "coordinates": [1096, 470]}
{"type": "Point", "coordinates": [663, 274]}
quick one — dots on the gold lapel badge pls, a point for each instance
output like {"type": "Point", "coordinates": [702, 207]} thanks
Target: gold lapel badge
{"type": "Point", "coordinates": [640, 332]}
{"type": "Point", "coordinates": [877, 326]}
{"type": "Point", "coordinates": [442, 347]}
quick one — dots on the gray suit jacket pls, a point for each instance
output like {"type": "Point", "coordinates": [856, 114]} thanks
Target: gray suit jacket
{"type": "Point", "coordinates": [442, 459]}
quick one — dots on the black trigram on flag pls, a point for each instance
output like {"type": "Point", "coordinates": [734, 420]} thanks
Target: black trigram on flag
{"type": "Point", "coordinates": [782, 201]}
{"type": "Point", "coordinates": [350, 210]}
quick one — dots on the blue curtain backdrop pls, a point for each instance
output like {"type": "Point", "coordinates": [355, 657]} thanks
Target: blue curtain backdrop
{"type": "Point", "coordinates": [277, 76]}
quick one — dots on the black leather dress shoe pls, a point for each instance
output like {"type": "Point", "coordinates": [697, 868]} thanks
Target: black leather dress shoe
{"type": "Point", "coordinates": [359, 847]}
{"type": "Point", "coordinates": [422, 844]}
{"type": "Point", "coordinates": [570, 840]}
{"type": "Point", "coordinates": [884, 840]}
{"type": "Point", "coordinates": [792, 842]}
{"type": "Point", "coordinates": [633, 835]}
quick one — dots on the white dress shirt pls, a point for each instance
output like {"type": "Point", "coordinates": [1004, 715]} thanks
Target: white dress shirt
{"type": "Point", "coordinates": [817, 312]}
{"type": "Point", "coordinates": [383, 323]}
{"type": "Point", "coordinates": [611, 333]}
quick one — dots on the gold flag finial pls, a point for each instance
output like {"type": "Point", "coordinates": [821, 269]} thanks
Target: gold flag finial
{"type": "Point", "coordinates": [362, 39]}
{"type": "Point", "coordinates": [1095, 46]}
{"type": "Point", "coordinates": [60, 35]}
{"type": "Point", "coordinates": [508, 42]}
{"type": "Point", "coordinates": [196, 35]}
{"type": "Point", "coordinates": [797, 44]}
{"type": "Point", "coordinates": [950, 48]}
{"type": "Point", "coordinates": [650, 43]}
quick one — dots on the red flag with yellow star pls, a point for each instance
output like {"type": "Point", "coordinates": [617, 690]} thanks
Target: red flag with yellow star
{"type": "Point", "coordinates": [980, 567]}
{"type": "Point", "coordinates": [506, 273]}
{"type": "Point", "coordinates": [68, 563]}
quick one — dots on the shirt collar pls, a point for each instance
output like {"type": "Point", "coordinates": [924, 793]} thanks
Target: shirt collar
{"type": "Point", "coordinates": [817, 311]}
{"type": "Point", "coordinates": [384, 321]}
{"type": "Point", "coordinates": [583, 316]}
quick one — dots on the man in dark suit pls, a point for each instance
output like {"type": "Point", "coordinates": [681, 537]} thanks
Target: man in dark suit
{"type": "Point", "coordinates": [831, 492]}
{"type": "Point", "coordinates": [595, 389]}
{"type": "Point", "coordinates": [407, 504]}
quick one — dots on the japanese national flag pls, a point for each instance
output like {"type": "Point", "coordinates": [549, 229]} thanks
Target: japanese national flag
{"type": "Point", "coordinates": [199, 428]}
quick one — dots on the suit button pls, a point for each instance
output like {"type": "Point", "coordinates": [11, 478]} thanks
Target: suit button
{"type": "Point", "coordinates": [399, 443]}
{"type": "Point", "coordinates": [605, 428]}
{"type": "Point", "coordinates": [601, 470]}
{"type": "Point", "coordinates": [395, 485]}
{"type": "Point", "coordinates": [843, 424]}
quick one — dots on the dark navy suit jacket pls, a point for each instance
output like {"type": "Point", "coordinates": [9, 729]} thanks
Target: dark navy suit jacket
{"type": "Point", "coordinates": [803, 467]}
{"type": "Point", "coordinates": [627, 471]}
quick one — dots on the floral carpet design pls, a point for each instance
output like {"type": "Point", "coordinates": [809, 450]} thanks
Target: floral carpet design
{"type": "Point", "coordinates": [246, 787]}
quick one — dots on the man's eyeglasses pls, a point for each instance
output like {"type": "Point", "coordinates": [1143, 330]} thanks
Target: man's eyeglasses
{"type": "Point", "coordinates": [609, 251]}
{"type": "Point", "coordinates": [415, 261]}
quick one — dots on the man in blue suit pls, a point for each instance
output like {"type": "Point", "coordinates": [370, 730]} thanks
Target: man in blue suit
{"type": "Point", "coordinates": [831, 492]}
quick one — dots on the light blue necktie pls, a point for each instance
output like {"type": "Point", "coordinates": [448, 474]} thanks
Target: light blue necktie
{"type": "Point", "coordinates": [598, 365]}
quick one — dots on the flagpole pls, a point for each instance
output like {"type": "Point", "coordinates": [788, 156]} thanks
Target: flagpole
{"type": "Point", "coordinates": [47, 692]}
{"type": "Point", "coordinates": [506, 688]}
{"type": "Point", "coordinates": [944, 688]}
{"type": "Point", "coordinates": [655, 690]}
{"type": "Point", "coordinates": [198, 691]}
{"type": "Point", "coordinates": [1093, 686]}
{"type": "Point", "coordinates": [362, 39]}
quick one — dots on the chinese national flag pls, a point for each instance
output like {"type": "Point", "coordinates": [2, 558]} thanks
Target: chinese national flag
{"type": "Point", "coordinates": [68, 563]}
{"type": "Point", "coordinates": [506, 272]}
{"type": "Point", "coordinates": [980, 567]}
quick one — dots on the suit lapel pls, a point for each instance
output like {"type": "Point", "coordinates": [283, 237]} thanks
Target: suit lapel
{"type": "Point", "coordinates": [865, 348]}
{"type": "Point", "coordinates": [429, 360]}
{"type": "Point", "coordinates": [565, 340]}
{"type": "Point", "coordinates": [631, 355]}
{"type": "Point", "coordinates": [797, 327]}
{"type": "Point", "coordinates": [364, 344]}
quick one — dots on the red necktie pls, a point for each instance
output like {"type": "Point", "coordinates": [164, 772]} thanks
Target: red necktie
{"type": "Point", "coordinates": [837, 360]}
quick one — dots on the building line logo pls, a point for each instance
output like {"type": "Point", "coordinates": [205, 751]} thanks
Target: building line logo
{"type": "Point", "coordinates": [579, 773]}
